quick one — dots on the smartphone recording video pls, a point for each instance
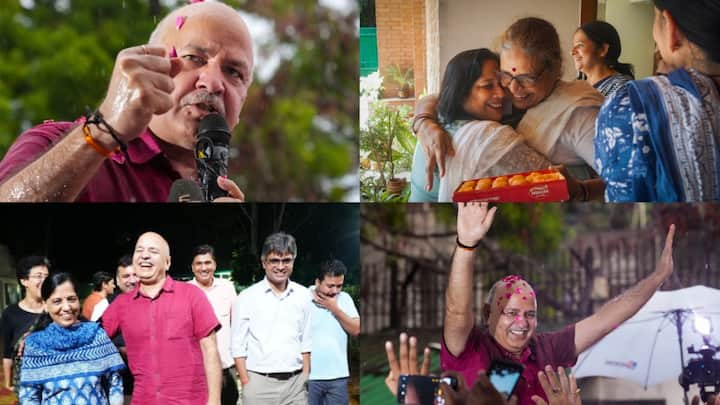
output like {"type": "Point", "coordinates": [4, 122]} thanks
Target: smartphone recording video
{"type": "Point", "coordinates": [422, 389]}
{"type": "Point", "coordinates": [504, 376]}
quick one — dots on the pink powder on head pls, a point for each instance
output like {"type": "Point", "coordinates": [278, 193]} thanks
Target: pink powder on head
{"type": "Point", "coordinates": [518, 290]}
{"type": "Point", "coordinates": [179, 21]}
{"type": "Point", "coordinates": [196, 1]}
{"type": "Point", "coordinates": [524, 297]}
{"type": "Point", "coordinates": [508, 295]}
{"type": "Point", "coordinates": [173, 52]}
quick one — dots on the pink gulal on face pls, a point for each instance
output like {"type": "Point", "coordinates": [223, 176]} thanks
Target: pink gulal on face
{"type": "Point", "coordinates": [513, 314]}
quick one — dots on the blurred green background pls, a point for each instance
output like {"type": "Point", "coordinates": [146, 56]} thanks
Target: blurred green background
{"type": "Point", "coordinates": [298, 134]}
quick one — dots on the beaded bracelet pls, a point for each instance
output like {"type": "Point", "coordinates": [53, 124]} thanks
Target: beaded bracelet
{"type": "Point", "coordinates": [96, 118]}
{"type": "Point", "coordinates": [91, 141]}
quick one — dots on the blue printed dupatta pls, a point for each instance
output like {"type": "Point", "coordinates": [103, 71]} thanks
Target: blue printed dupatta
{"type": "Point", "coordinates": [77, 365]}
{"type": "Point", "coordinates": [658, 139]}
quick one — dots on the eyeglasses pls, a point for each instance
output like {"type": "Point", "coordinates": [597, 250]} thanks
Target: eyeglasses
{"type": "Point", "coordinates": [285, 261]}
{"type": "Point", "coordinates": [514, 313]}
{"type": "Point", "coordinates": [524, 80]}
{"type": "Point", "coordinates": [39, 276]}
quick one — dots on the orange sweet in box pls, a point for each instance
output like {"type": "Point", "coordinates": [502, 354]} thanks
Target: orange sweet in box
{"type": "Point", "coordinates": [467, 186]}
{"type": "Point", "coordinates": [501, 181]}
{"type": "Point", "coordinates": [483, 184]}
{"type": "Point", "coordinates": [532, 177]}
{"type": "Point", "coordinates": [517, 180]}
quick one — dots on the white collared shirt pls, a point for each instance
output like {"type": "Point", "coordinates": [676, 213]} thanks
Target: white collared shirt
{"type": "Point", "coordinates": [272, 330]}
{"type": "Point", "coordinates": [221, 295]}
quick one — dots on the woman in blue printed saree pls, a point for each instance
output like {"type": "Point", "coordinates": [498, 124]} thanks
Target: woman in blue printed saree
{"type": "Point", "coordinates": [66, 361]}
{"type": "Point", "coordinates": [658, 139]}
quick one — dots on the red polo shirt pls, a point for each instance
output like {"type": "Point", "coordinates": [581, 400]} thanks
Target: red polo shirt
{"type": "Point", "coordinates": [163, 342]}
{"type": "Point", "coordinates": [554, 349]}
{"type": "Point", "coordinates": [145, 175]}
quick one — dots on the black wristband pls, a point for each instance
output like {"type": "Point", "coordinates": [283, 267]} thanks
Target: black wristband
{"type": "Point", "coordinates": [466, 247]}
{"type": "Point", "coordinates": [96, 118]}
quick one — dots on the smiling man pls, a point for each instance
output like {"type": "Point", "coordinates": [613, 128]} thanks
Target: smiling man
{"type": "Point", "coordinates": [509, 322]}
{"type": "Point", "coordinates": [142, 136]}
{"type": "Point", "coordinates": [169, 329]}
{"type": "Point", "coordinates": [271, 330]}
{"type": "Point", "coordinates": [221, 294]}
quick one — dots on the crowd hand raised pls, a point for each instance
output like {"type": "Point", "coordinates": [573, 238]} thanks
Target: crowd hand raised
{"type": "Point", "coordinates": [712, 400]}
{"type": "Point", "coordinates": [140, 87]}
{"type": "Point", "coordinates": [665, 265]}
{"type": "Point", "coordinates": [473, 222]}
{"type": "Point", "coordinates": [436, 144]}
{"type": "Point", "coordinates": [482, 393]}
{"type": "Point", "coordinates": [234, 193]}
{"type": "Point", "coordinates": [559, 389]}
{"type": "Point", "coordinates": [407, 362]}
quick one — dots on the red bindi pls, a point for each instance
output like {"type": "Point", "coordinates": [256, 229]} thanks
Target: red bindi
{"type": "Point", "coordinates": [514, 69]}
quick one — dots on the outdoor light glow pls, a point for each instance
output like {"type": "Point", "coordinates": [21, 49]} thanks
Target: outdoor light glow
{"type": "Point", "coordinates": [702, 325]}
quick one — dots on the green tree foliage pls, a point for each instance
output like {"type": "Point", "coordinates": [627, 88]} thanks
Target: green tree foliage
{"type": "Point", "coordinates": [298, 132]}
{"type": "Point", "coordinates": [56, 61]}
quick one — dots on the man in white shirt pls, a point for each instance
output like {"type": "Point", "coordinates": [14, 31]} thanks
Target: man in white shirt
{"type": "Point", "coordinates": [334, 316]}
{"type": "Point", "coordinates": [271, 330]}
{"type": "Point", "coordinates": [221, 294]}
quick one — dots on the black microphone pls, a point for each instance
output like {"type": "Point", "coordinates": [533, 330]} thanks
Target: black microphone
{"type": "Point", "coordinates": [184, 190]}
{"type": "Point", "coordinates": [211, 154]}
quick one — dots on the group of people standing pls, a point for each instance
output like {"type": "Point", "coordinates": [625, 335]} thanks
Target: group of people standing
{"type": "Point", "coordinates": [180, 342]}
{"type": "Point", "coordinates": [626, 140]}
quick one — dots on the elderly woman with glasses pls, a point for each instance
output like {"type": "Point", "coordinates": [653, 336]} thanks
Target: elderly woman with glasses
{"type": "Point", "coordinates": [469, 106]}
{"type": "Point", "coordinates": [556, 118]}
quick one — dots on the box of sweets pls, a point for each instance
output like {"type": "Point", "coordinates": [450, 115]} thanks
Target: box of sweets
{"type": "Point", "coordinates": [547, 185]}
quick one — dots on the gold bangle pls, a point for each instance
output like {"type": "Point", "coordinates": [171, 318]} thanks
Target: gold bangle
{"type": "Point", "coordinates": [98, 148]}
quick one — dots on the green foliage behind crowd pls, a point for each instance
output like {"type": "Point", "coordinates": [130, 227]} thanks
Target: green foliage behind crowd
{"type": "Point", "coordinates": [298, 132]}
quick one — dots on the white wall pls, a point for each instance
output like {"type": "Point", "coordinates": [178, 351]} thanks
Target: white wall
{"type": "Point", "coordinates": [633, 19]}
{"type": "Point", "coordinates": [467, 24]}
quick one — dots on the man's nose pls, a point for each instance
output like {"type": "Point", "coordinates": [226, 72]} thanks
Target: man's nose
{"type": "Point", "coordinates": [211, 78]}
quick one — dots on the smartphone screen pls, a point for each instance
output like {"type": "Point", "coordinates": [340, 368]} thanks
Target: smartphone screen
{"type": "Point", "coordinates": [422, 389]}
{"type": "Point", "coordinates": [504, 376]}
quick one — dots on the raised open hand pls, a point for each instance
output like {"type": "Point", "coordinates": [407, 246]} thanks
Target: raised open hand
{"type": "Point", "coordinates": [407, 363]}
{"type": "Point", "coordinates": [473, 222]}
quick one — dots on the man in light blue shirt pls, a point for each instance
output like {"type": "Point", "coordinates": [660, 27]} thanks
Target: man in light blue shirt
{"type": "Point", "coordinates": [334, 316]}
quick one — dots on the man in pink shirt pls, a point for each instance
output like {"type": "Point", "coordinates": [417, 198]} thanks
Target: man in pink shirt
{"type": "Point", "coordinates": [510, 315]}
{"type": "Point", "coordinates": [141, 138]}
{"type": "Point", "coordinates": [169, 329]}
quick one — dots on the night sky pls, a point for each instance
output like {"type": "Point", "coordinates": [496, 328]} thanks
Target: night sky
{"type": "Point", "coordinates": [83, 239]}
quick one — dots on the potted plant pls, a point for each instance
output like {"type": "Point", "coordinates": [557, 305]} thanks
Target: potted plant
{"type": "Point", "coordinates": [403, 78]}
{"type": "Point", "coordinates": [386, 141]}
